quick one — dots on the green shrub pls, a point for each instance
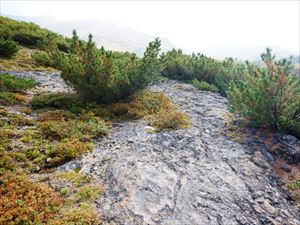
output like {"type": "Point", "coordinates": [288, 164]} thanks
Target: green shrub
{"type": "Point", "coordinates": [229, 72]}
{"type": "Point", "coordinates": [104, 76]}
{"type": "Point", "coordinates": [53, 100]}
{"type": "Point", "coordinates": [13, 84]}
{"type": "Point", "coordinates": [268, 96]}
{"type": "Point", "coordinates": [30, 34]}
{"type": "Point", "coordinates": [291, 125]}
{"type": "Point", "coordinates": [42, 59]}
{"type": "Point", "coordinates": [27, 38]}
{"type": "Point", "coordinates": [7, 98]}
{"type": "Point", "coordinates": [176, 65]}
{"type": "Point", "coordinates": [204, 86]}
{"type": "Point", "coordinates": [9, 84]}
{"type": "Point", "coordinates": [8, 48]}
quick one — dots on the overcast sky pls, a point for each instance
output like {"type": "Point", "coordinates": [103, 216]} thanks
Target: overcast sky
{"type": "Point", "coordinates": [193, 25]}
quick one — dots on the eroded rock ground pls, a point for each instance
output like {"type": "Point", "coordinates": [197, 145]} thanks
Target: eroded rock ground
{"type": "Point", "coordinates": [189, 176]}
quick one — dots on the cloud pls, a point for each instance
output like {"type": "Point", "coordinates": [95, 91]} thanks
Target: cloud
{"type": "Point", "coordinates": [193, 25]}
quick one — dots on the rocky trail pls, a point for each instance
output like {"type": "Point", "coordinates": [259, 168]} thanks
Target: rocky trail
{"type": "Point", "coordinates": [190, 176]}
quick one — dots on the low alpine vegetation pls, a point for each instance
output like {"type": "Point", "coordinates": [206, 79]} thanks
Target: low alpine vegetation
{"type": "Point", "coordinates": [217, 74]}
{"type": "Point", "coordinates": [11, 89]}
{"type": "Point", "coordinates": [104, 76]}
{"type": "Point", "coordinates": [13, 84]}
{"type": "Point", "coordinates": [155, 107]}
{"type": "Point", "coordinates": [8, 48]}
{"type": "Point", "coordinates": [54, 101]}
{"type": "Point", "coordinates": [204, 86]}
{"type": "Point", "coordinates": [29, 34]}
{"type": "Point", "coordinates": [42, 59]}
{"type": "Point", "coordinates": [268, 96]}
{"type": "Point", "coordinates": [25, 202]}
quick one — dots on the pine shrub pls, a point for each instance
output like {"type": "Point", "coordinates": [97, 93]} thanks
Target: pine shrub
{"type": "Point", "coordinates": [53, 100]}
{"type": "Point", "coordinates": [30, 34]}
{"type": "Point", "coordinates": [179, 66]}
{"type": "Point", "coordinates": [269, 96]}
{"type": "Point", "coordinates": [8, 48]}
{"type": "Point", "coordinates": [104, 76]}
{"type": "Point", "coordinates": [204, 86]}
{"type": "Point", "coordinates": [42, 59]}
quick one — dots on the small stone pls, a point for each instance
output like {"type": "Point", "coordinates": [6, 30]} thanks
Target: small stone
{"type": "Point", "coordinates": [260, 200]}
{"type": "Point", "coordinates": [49, 160]}
{"type": "Point", "coordinates": [286, 168]}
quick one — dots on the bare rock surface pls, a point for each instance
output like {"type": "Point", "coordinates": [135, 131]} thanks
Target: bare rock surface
{"type": "Point", "coordinates": [48, 81]}
{"type": "Point", "coordinates": [189, 176]}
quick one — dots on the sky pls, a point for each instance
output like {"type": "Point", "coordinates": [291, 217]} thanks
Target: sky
{"type": "Point", "coordinates": [191, 25]}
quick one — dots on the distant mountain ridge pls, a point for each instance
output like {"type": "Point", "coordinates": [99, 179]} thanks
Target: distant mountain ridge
{"type": "Point", "coordinates": [111, 35]}
{"type": "Point", "coordinates": [251, 53]}
{"type": "Point", "coordinates": [116, 36]}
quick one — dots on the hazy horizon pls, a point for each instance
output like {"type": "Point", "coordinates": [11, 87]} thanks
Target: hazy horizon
{"type": "Point", "coordinates": [193, 26]}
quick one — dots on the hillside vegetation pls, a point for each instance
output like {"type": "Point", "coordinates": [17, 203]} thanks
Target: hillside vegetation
{"type": "Point", "coordinates": [40, 132]}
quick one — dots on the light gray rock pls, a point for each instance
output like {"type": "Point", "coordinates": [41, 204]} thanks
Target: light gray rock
{"type": "Point", "coordinates": [48, 81]}
{"type": "Point", "coordinates": [188, 176]}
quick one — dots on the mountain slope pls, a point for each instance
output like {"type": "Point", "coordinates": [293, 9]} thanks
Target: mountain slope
{"type": "Point", "coordinates": [246, 53]}
{"type": "Point", "coordinates": [111, 35]}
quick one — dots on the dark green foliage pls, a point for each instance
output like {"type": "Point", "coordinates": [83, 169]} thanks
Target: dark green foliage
{"type": "Point", "coordinates": [290, 125]}
{"type": "Point", "coordinates": [42, 59]}
{"type": "Point", "coordinates": [176, 65]}
{"type": "Point", "coordinates": [7, 98]}
{"type": "Point", "coordinates": [204, 86]}
{"type": "Point", "coordinates": [30, 34]}
{"type": "Point", "coordinates": [13, 84]}
{"type": "Point", "coordinates": [105, 76]}
{"type": "Point", "coordinates": [10, 84]}
{"type": "Point", "coordinates": [229, 71]}
{"type": "Point", "coordinates": [27, 38]}
{"type": "Point", "coordinates": [268, 96]}
{"type": "Point", "coordinates": [8, 48]}
{"type": "Point", "coordinates": [54, 100]}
